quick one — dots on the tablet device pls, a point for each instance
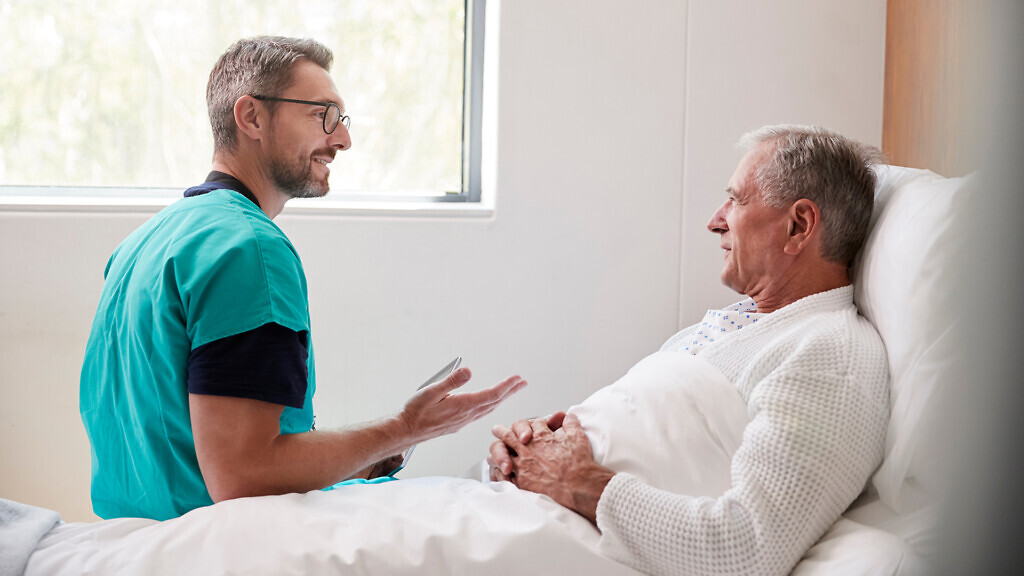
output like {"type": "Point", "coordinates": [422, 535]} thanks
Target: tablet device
{"type": "Point", "coordinates": [441, 375]}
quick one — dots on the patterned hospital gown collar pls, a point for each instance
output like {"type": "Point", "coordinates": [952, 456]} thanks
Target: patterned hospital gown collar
{"type": "Point", "coordinates": [747, 305]}
{"type": "Point", "coordinates": [718, 323]}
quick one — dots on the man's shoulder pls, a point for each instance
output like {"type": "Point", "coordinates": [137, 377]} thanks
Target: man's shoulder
{"type": "Point", "coordinates": [221, 205]}
{"type": "Point", "coordinates": [221, 219]}
{"type": "Point", "coordinates": [840, 327]}
{"type": "Point", "coordinates": [197, 235]}
{"type": "Point", "coordinates": [842, 343]}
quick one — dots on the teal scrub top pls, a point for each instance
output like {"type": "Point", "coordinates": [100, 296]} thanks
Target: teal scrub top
{"type": "Point", "coordinates": [204, 268]}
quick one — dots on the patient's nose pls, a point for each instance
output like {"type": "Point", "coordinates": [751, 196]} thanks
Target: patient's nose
{"type": "Point", "coordinates": [717, 223]}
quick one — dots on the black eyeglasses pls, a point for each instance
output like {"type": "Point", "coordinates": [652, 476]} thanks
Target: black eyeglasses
{"type": "Point", "coordinates": [332, 116]}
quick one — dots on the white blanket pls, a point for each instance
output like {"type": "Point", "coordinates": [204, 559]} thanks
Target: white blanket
{"type": "Point", "coordinates": [673, 420]}
{"type": "Point", "coordinates": [423, 526]}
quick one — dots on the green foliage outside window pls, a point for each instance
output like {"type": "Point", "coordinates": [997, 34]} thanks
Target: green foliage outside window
{"type": "Point", "coordinates": [111, 93]}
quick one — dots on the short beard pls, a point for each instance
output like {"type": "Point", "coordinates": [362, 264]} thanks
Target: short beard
{"type": "Point", "coordinates": [296, 182]}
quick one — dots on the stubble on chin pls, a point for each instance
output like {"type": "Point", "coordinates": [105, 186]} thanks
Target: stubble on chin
{"type": "Point", "coordinates": [297, 183]}
{"type": "Point", "coordinates": [311, 190]}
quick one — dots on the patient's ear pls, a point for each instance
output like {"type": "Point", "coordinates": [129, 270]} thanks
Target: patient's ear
{"type": "Point", "coordinates": [250, 117]}
{"type": "Point", "coordinates": [804, 225]}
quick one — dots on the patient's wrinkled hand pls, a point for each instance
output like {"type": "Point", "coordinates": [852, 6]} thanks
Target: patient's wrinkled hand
{"type": "Point", "coordinates": [500, 459]}
{"type": "Point", "coordinates": [560, 464]}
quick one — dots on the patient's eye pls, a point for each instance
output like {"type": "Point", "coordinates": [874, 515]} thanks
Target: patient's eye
{"type": "Point", "coordinates": [734, 197]}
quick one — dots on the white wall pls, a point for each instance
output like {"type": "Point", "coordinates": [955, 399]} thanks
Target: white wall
{"type": "Point", "coordinates": [615, 141]}
{"type": "Point", "coordinates": [756, 63]}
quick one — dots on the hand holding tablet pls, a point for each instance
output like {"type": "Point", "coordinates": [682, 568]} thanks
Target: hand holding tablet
{"type": "Point", "coordinates": [441, 375]}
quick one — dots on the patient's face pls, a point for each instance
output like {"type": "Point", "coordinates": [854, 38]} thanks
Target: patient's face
{"type": "Point", "coordinates": [753, 234]}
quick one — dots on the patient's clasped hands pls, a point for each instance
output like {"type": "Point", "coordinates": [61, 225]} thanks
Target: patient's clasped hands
{"type": "Point", "coordinates": [550, 456]}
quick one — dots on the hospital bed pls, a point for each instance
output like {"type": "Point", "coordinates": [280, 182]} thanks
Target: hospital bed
{"type": "Point", "coordinates": [903, 284]}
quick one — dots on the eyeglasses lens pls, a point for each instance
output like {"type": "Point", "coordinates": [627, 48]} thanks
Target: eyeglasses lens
{"type": "Point", "coordinates": [331, 118]}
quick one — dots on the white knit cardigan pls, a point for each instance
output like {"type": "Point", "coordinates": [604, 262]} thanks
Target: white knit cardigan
{"type": "Point", "coordinates": [815, 379]}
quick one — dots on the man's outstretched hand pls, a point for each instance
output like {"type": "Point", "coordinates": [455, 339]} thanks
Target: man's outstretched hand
{"type": "Point", "coordinates": [436, 410]}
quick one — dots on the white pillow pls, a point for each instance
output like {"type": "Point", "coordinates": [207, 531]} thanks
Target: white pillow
{"type": "Point", "coordinates": [906, 283]}
{"type": "Point", "coordinates": [852, 548]}
{"type": "Point", "coordinates": [673, 421]}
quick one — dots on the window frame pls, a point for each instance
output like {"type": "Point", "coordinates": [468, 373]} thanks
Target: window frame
{"type": "Point", "coordinates": [467, 202]}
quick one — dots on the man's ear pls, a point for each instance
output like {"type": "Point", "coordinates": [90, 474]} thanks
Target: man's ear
{"type": "Point", "coordinates": [804, 225]}
{"type": "Point", "coordinates": [250, 117]}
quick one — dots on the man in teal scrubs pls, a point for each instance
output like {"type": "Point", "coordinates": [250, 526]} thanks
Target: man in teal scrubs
{"type": "Point", "coordinates": [198, 377]}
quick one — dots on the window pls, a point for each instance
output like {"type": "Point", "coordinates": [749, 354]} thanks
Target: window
{"type": "Point", "coordinates": [107, 97]}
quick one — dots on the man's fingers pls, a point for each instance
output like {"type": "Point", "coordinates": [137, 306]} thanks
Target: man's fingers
{"type": "Point", "coordinates": [501, 391]}
{"type": "Point", "coordinates": [507, 436]}
{"type": "Point", "coordinates": [497, 394]}
{"type": "Point", "coordinates": [574, 430]}
{"type": "Point", "coordinates": [555, 420]}
{"type": "Point", "coordinates": [503, 450]}
{"type": "Point", "coordinates": [488, 397]}
{"type": "Point", "coordinates": [498, 431]}
{"type": "Point", "coordinates": [523, 430]}
{"type": "Point", "coordinates": [540, 426]}
{"type": "Point", "coordinates": [471, 406]}
{"type": "Point", "coordinates": [514, 384]}
{"type": "Point", "coordinates": [571, 423]}
{"type": "Point", "coordinates": [500, 461]}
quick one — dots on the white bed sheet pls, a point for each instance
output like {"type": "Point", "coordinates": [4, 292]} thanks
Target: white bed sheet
{"type": "Point", "coordinates": [429, 525]}
{"type": "Point", "coordinates": [422, 526]}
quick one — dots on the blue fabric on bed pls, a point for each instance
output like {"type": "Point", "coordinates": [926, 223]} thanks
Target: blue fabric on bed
{"type": "Point", "coordinates": [379, 480]}
{"type": "Point", "coordinates": [21, 527]}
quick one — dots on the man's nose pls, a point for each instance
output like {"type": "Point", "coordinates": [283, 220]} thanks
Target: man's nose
{"type": "Point", "coordinates": [717, 223]}
{"type": "Point", "coordinates": [340, 138]}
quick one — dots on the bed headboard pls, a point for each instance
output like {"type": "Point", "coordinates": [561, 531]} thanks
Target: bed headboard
{"type": "Point", "coordinates": [931, 48]}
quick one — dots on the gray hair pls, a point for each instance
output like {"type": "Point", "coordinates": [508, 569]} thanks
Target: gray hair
{"type": "Point", "coordinates": [826, 168]}
{"type": "Point", "coordinates": [262, 65]}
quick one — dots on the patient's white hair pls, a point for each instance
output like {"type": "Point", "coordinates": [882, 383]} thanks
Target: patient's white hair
{"type": "Point", "coordinates": [828, 169]}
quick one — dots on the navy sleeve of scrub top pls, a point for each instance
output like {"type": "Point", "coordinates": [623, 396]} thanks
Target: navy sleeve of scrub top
{"type": "Point", "coordinates": [267, 363]}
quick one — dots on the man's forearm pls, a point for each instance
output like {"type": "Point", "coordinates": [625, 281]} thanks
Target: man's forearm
{"type": "Point", "coordinates": [241, 453]}
{"type": "Point", "coordinates": [320, 458]}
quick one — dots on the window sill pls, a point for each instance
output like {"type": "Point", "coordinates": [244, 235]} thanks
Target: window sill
{"type": "Point", "coordinates": [299, 207]}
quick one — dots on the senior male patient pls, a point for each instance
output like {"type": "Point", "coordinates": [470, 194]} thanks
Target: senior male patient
{"type": "Point", "coordinates": [198, 377]}
{"type": "Point", "coordinates": [812, 372]}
